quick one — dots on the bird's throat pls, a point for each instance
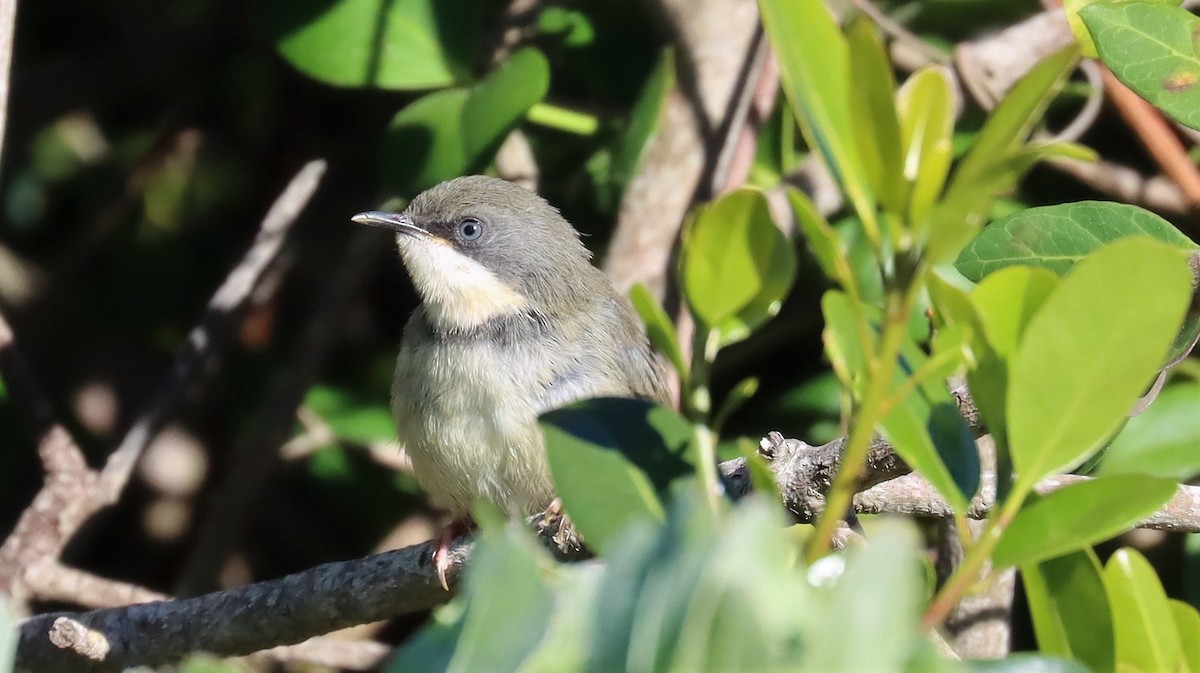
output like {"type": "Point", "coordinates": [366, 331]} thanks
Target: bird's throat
{"type": "Point", "coordinates": [458, 292]}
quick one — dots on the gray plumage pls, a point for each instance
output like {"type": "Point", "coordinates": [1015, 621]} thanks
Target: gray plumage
{"type": "Point", "coordinates": [514, 321]}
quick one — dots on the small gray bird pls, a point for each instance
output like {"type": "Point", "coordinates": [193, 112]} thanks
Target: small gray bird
{"type": "Point", "coordinates": [514, 321]}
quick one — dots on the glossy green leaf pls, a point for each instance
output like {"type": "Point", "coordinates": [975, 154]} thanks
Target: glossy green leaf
{"type": "Point", "coordinates": [926, 109]}
{"type": "Point", "coordinates": [1151, 48]}
{"type": "Point", "coordinates": [824, 242]}
{"type": "Point", "coordinates": [1056, 237]}
{"type": "Point", "coordinates": [736, 263]}
{"type": "Point", "coordinates": [508, 607]}
{"type": "Point", "coordinates": [1120, 306]}
{"type": "Point", "coordinates": [390, 44]}
{"type": "Point", "coordinates": [1082, 36]}
{"type": "Point", "coordinates": [449, 133]}
{"type": "Point", "coordinates": [610, 458]}
{"type": "Point", "coordinates": [1005, 302]}
{"type": "Point", "coordinates": [1163, 441]}
{"type": "Point", "coordinates": [1146, 636]}
{"type": "Point", "coordinates": [644, 120]}
{"type": "Point", "coordinates": [351, 418]}
{"type": "Point", "coordinates": [1069, 607]}
{"type": "Point", "coordinates": [1080, 515]}
{"type": "Point", "coordinates": [814, 66]}
{"type": "Point", "coordinates": [990, 166]}
{"type": "Point", "coordinates": [873, 114]}
{"type": "Point", "coordinates": [659, 327]}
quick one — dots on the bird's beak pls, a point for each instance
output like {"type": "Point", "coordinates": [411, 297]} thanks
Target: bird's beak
{"type": "Point", "coordinates": [398, 222]}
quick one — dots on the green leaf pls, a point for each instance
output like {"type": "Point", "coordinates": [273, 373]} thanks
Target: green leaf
{"type": "Point", "coordinates": [507, 609]}
{"type": "Point", "coordinates": [1070, 609]}
{"type": "Point", "coordinates": [1056, 237]}
{"type": "Point", "coordinates": [349, 417]}
{"type": "Point", "coordinates": [738, 396]}
{"type": "Point", "coordinates": [1005, 302]}
{"type": "Point", "coordinates": [449, 133]}
{"type": "Point", "coordinates": [659, 327]}
{"type": "Point", "coordinates": [390, 44]}
{"type": "Point", "coordinates": [611, 458]}
{"type": "Point", "coordinates": [1080, 515]}
{"type": "Point", "coordinates": [1082, 36]}
{"type": "Point", "coordinates": [930, 435]}
{"type": "Point", "coordinates": [1187, 621]}
{"type": "Point", "coordinates": [644, 120]}
{"type": "Point", "coordinates": [1164, 441]}
{"type": "Point", "coordinates": [871, 621]}
{"type": "Point", "coordinates": [843, 347]}
{"type": "Point", "coordinates": [824, 242]}
{"type": "Point", "coordinates": [501, 100]}
{"type": "Point", "coordinates": [1146, 636]}
{"type": "Point", "coordinates": [424, 143]}
{"type": "Point", "coordinates": [986, 168]}
{"type": "Point", "coordinates": [1151, 48]}
{"type": "Point", "coordinates": [737, 265]}
{"type": "Point", "coordinates": [873, 114]}
{"type": "Point", "coordinates": [926, 108]}
{"type": "Point", "coordinates": [1120, 306]}
{"type": "Point", "coordinates": [814, 66]}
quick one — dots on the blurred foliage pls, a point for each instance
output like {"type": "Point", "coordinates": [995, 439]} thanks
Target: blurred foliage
{"type": "Point", "coordinates": [133, 183]}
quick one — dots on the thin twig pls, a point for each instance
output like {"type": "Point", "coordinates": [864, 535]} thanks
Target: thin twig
{"type": "Point", "coordinates": [207, 337]}
{"type": "Point", "coordinates": [72, 492]}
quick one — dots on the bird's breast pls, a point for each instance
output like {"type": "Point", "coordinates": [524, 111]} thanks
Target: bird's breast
{"type": "Point", "coordinates": [466, 413]}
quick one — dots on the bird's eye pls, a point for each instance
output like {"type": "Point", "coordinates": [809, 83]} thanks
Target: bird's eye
{"type": "Point", "coordinates": [470, 229]}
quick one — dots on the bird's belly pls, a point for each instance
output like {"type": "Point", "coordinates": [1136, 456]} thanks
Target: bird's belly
{"type": "Point", "coordinates": [469, 423]}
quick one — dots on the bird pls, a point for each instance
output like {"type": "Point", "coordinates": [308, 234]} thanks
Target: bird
{"type": "Point", "coordinates": [513, 321]}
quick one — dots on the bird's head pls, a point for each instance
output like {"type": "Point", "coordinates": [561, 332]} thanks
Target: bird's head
{"type": "Point", "coordinates": [478, 248]}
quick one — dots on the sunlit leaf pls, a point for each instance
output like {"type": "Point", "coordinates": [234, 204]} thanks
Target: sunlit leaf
{"type": "Point", "coordinates": [926, 108]}
{"type": "Point", "coordinates": [1056, 237]}
{"type": "Point", "coordinates": [456, 131]}
{"type": "Point", "coordinates": [1120, 306]}
{"type": "Point", "coordinates": [814, 66]}
{"type": "Point", "coordinates": [873, 114]}
{"type": "Point", "coordinates": [390, 44]}
{"type": "Point", "coordinates": [736, 263]}
{"type": "Point", "coordinates": [1080, 515]}
{"type": "Point", "coordinates": [1163, 441]}
{"type": "Point", "coordinates": [1151, 48]}
{"type": "Point", "coordinates": [1069, 607]}
{"type": "Point", "coordinates": [1146, 636]}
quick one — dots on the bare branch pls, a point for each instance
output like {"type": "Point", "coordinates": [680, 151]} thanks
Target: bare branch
{"type": "Point", "coordinates": [207, 337]}
{"type": "Point", "coordinates": [72, 492]}
{"type": "Point", "coordinates": [8, 22]}
{"type": "Point", "coordinates": [244, 620]}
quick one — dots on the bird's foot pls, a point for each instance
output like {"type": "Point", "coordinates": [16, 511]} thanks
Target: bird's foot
{"type": "Point", "coordinates": [441, 548]}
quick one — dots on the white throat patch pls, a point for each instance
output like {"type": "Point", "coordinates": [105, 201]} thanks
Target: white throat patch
{"type": "Point", "coordinates": [458, 292]}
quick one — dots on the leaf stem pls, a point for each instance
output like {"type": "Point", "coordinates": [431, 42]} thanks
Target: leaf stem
{"type": "Point", "coordinates": [881, 371]}
{"type": "Point", "coordinates": [562, 119]}
{"type": "Point", "coordinates": [968, 571]}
